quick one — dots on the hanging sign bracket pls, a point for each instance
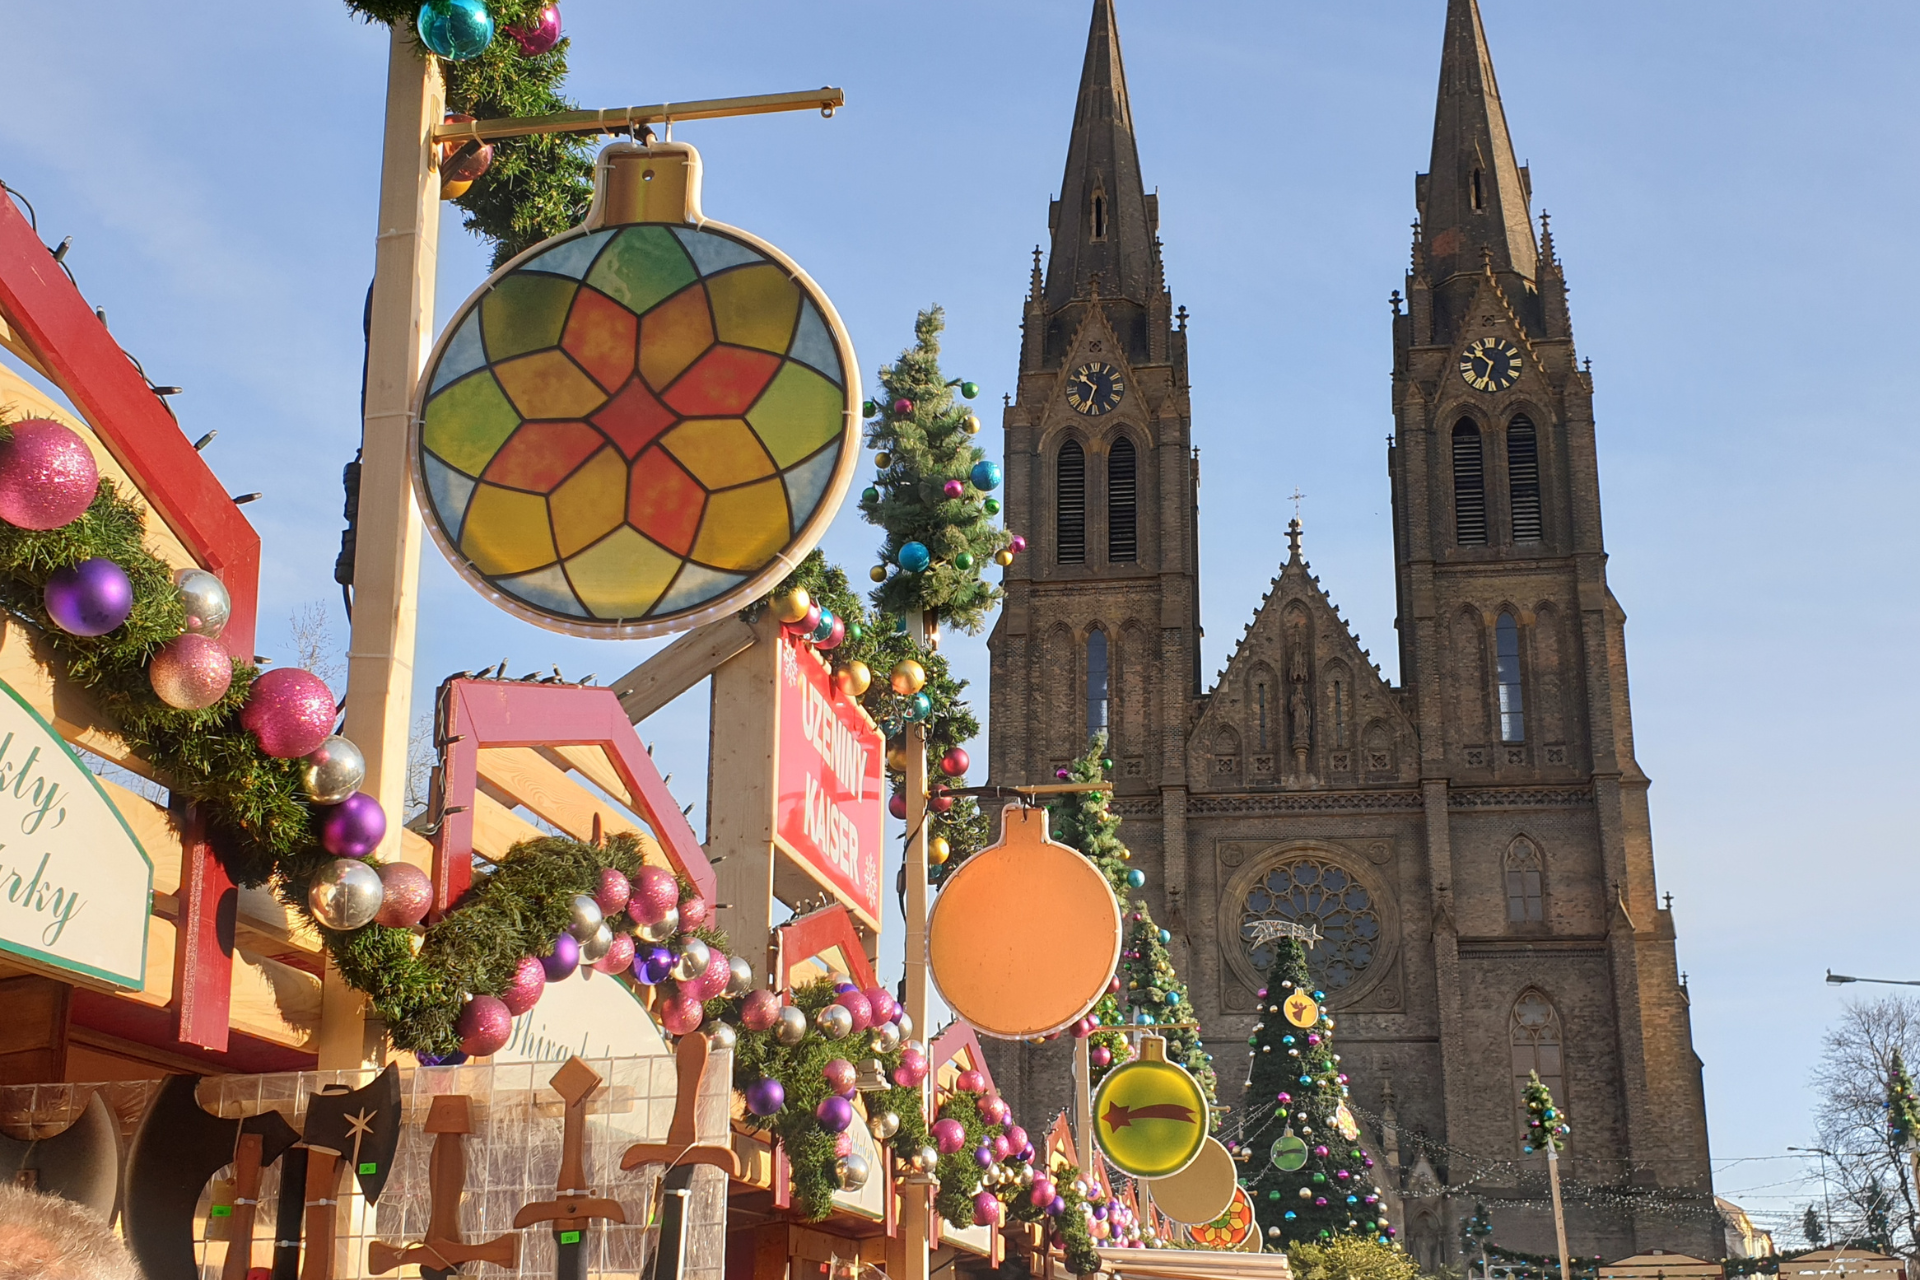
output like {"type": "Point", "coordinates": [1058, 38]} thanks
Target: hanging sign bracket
{"type": "Point", "coordinates": [626, 119]}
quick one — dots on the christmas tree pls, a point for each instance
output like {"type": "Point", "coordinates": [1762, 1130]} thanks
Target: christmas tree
{"type": "Point", "coordinates": [1159, 999]}
{"type": "Point", "coordinates": [931, 496]}
{"type": "Point", "coordinates": [1546, 1127]}
{"type": "Point", "coordinates": [1297, 1115]}
{"type": "Point", "coordinates": [1903, 1107]}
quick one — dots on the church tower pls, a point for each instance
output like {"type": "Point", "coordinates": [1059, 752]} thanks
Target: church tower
{"type": "Point", "coordinates": [1514, 671]}
{"type": "Point", "coordinates": [1100, 627]}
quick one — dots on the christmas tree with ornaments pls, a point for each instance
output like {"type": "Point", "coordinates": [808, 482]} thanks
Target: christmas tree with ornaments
{"type": "Point", "coordinates": [1158, 999]}
{"type": "Point", "coordinates": [1307, 1174]}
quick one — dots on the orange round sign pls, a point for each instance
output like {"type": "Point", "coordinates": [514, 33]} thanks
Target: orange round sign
{"type": "Point", "coordinates": [1200, 1192]}
{"type": "Point", "coordinates": [1023, 939]}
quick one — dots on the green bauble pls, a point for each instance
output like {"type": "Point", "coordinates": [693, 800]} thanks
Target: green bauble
{"type": "Point", "coordinates": [969, 389]}
{"type": "Point", "coordinates": [869, 494]}
{"type": "Point", "coordinates": [991, 506]}
{"type": "Point", "coordinates": [963, 561]}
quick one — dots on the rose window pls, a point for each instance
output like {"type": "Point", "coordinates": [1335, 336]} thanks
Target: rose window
{"type": "Point", "coordinates": [1312, 891]}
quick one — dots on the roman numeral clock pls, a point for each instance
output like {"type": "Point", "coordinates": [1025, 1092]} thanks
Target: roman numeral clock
{"type": "Point", "coordinates": [1491, 364]}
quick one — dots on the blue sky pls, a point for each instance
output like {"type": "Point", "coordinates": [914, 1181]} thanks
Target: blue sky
{"type": "Point", "coordinates": [1731, 183]}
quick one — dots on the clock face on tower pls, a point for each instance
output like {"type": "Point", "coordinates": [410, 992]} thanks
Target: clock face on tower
{"type": "Point", "coordinates": [1490, 364]}
{"type": "Point", "coordinates": [1094, 389]}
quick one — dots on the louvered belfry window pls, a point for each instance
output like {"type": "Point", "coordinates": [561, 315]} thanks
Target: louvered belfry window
{"type": "Point", "coordinates": [1523, 479]}
{"type": "Point", "coordinates": [1123, 538]}
{"type": "Point", "coordinates": [1070, 505]}
{"type": "Point", "coordinates": [1469, 487]}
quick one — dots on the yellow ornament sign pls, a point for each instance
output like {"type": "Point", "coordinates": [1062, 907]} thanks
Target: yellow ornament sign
{"type": "Point", "coordinates": [1344, 1122]}
{"type": "Point", "coordinates": [1149, 1116]}
{"type": "Point", "coordinates": [1301, 1010]}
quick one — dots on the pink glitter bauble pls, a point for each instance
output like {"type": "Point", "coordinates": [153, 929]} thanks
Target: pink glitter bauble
{"type": "Point", "coordinates": [540, 35]}
{"type": "Point", "coordinates": [856, 1004]}
{"type": "Point", "coordinates": [191, 672]}
{"type": "Point", "coordinates": [613, 893]}
{"type": "Point", "coordinates": [1101, 1055]}
{"type": "Point", "coordinates": [1000, 1146]}
{"type": "Point", "coordinates": [993, 1109]}
{"type": "Point", "coordinates": [47, 475]}
{"type": "Point", "coordinates": [949, 1135]}
{"type": "Point", "coordinates": [409, 892]}
{"type": "Point", "coordinates": [619, 957]}
{"type": "Point", "coordinates": [529, 981]}
{"type": "Point", "coordinates": [694, 912]}
{"type": "Point", "coordinates": [760, 1010]}
{"type": "Point", "coordinates": [843, 1144]}
{"type": "Point", "coordinates": [290, 711]}
{"type": "Point", "coordinates": [986, 1209]}
{"type": "Point", "coordinates": [914, 1064]}
{"type": "Point", "coordinates": [484, 1027]}
{"type": "Point", "coordinates": [840, 1075]}
{"type": "Point", "coordinates": [713, 980]}
{"type": "Point", "coordinates": [880, 1001]}
{"type": "Point", "coordinates": [680, 1014]}
{"type": "Point", "coordinates": [1016, 1136]}
{"type": "Point", "coordinates": [655, 892]}
{"type": "Point", "coordinates": [971, 1082]}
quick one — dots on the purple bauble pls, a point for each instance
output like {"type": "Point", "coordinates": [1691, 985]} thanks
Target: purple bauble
{"type": "Point", "coordinates": [484, 1026]}
{"type": "Point", "coordinates": [290, 711]}
{"type": "Point", "coordinates": [354, 827]}
{"type": "Point", "coordinates": [409, 892]}
{"type": "Point", "coordinates": [613, 892]}
{"type": "Point", "coordinates": [89, 599]}
{"type": "Point", "coordinates": [619, 957]}
{"type": "Point", "coordinates": [190, 672]}
{"type": "Point", "coordinates": [653, 967]}
{"type": "Point", "coordinates": [563, 960]}
{"type": "Point", "coordinates": [453, 1059]}
{"type": "Point", "coordinates": [953, 488]}
{"type": "Point", "coordinates": [524, 989]}
{"type": "Point", "coordinates": [983, 1155]}
{"type": "Point", "coordinates": [834, 1113]}
{"type": "Point", "coordinates": [766, 1096]}
{"type": "Point", "coordinates": [47, 475]}
{"type": "Point", "coordinates": [540, 35]}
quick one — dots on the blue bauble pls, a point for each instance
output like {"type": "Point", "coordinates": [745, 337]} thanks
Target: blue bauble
{"type": "Point", "coordinates": [825, 628]}
{"type": "Point", "coordinates": [1136, 878]}
{"type": "Point", "coordinates": [986, 476]}
{"type": "Point", "coordinates": [455, 29]}
{"type": "Point", "coordinates": [919, 707]}
{"type": "Point", "coordinates": [914, 557]}
{"type": "Point", "coordinates": [1165, 937]}
{"type": "Point", "coordinates": [1173, 997]}
{"type": "Point", "coordinates": [1142, 1019]}
{"type": "Point", "coordinates": [1291, 1215]}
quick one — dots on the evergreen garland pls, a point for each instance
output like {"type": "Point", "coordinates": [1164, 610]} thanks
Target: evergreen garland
{"type": "Point", "coordinates": [927, 441]}
{"type": "Point", "coordinates": [537, 186]}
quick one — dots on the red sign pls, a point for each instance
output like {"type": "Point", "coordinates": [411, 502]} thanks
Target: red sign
{"type": "Point", "coordinates": [830, 779]}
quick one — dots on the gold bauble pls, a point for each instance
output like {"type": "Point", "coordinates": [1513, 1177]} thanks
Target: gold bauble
{"type": "Point", "coordinates": [454, 190]}
{"type": "Point", "coordinates": [973, 424]}
{"type": "Point", "coordinates": [878, 573]}
{"type": "Point", "coordinates": [909, 677]}
{"type": "Point", "coordinates": [938, 850]}
{"type": "Point", "coordinates": [1003, 558]}
{"type": "Point", "coordinates": [883, 460]}
{"type": "Point", "coordinates": [793, 606]}
{"type": "Point", "coordinates": [897, 757]}
{"type": "Point", "coordinates": [852, 677]}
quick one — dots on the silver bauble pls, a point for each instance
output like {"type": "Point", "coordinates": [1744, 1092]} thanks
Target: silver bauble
{"type": "Point", "coordinates": [208, 604]}
{"type": "Point", "coordinates": [742, 980]}
{"type": "Point", "coordinates": [834, 1021]}
{"type": "Point", "coordinates": [886, 1038]}
{"type": "Point", "coordinates": [883, 1126]}
{"type": "Point", "coordinates": [661, 930]}
{"type": "Point", "coordinates": [333, 772]}
{"type": "Point", "coordinates": [927, 1159]}
{"type": "Point", "coordinates": [791, 1026]}
{"type": "Point", "coordinates": [595, 945]}
{"type": "Point", "coordinates": [345, 894]}
{"type": "Point", "coordinates": [905, 1023]}
{"type": "Point", "coordinates": [586, 917]}
{"type": "Point", "coordinates": [1026, 1175]}
{"type": "Point", "coordinates": [851, 1170]}
{"type": "Point", "coordinates": [723, 1036]}
{"type": "Point", "coordinates": [693, 960]}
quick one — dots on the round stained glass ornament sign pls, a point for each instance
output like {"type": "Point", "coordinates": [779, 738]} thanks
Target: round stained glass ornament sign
{"type": "Point", "coordinates": [640, 424]}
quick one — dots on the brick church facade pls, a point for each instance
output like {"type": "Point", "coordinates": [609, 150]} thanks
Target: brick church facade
{"type": "Point", "coordinates": [1474, 843]}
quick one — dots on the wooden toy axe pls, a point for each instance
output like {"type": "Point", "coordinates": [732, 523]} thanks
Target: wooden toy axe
{"type": "Point", "coordinates": [573, 1205]}
{"type": "Point", "coordinates": [359, 1128]}
{"type": "Point", "coordinates": [263, 1138]}
{"type": "Point", "coordinates": [449, 1120]}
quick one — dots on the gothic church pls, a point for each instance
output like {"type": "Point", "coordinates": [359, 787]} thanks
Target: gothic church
{"type": "Point", "coordinates": [1473, 844]}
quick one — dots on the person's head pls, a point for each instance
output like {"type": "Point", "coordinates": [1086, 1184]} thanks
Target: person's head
{"type": "Point", "coordinates": [46, 1238]}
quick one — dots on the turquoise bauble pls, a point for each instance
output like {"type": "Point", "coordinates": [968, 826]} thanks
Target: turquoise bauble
{"type": "Point", "coordinates": [1136, 878]}
{"type": "Point", "coordinates": [985, 475]}
{"type": "Point", "coordinates": [914, 557]}
{"type": "Point", "coordinates": [455, 29]}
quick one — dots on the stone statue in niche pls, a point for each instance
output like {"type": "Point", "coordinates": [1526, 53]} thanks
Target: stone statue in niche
{"type": "Point", "coordinates": [1300, 709]}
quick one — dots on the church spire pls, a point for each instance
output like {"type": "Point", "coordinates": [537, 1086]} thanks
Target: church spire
{"type": "Point", "coordinates": [1103, 223]}
{"type": "Point", "coordinates": [1473, 197]}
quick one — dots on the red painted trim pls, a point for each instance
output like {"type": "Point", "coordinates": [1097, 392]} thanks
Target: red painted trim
{"type": "Point", "coordinates": [203, 955]}
{"type": "Point", "coordinates": [42, 305]}
{"type": "Point", "coordinates": [949, 1044]}
{"type": "Point", "coordinates": [805, 937]}
{"type": "Point", "coordinates": [506, 713]}
{"type": "Point", "coordinates": [144, 1024]}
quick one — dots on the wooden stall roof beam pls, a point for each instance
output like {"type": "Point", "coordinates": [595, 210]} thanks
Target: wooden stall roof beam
{"type": "Point", "coordinates": [610, 119]}
{"type": "Point", "coordinates": [47, 314]}
{"type": "Point", "coordinates": [682, 665]}
{"type": "Point", "coordinates": [521, 775]}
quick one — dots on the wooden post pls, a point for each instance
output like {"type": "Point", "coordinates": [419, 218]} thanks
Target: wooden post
{"type": "Point", "coordinates": [1559, 1216]}
{"type": "Point", "coordinates": [916, 1219]}
{"type": "Point", "coordinates": [387, 563]}
{"type": "Point", "coordinates": [1083, 1103]}
{"type": "Point", "coordinates": [740, 793]}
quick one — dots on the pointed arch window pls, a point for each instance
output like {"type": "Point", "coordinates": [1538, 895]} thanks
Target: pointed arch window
{"type": "Point", "coordinates": [1479, 193]}
{"type": "Point", "coordinates": [1260, 697]}
{"type": "Point", "coordinates": [1097, 682]}
{"type": "Point", "coordinates": [1099, 215]}
{"type": "Point", "coordinates": [1525, 904]}
{"type": "Point", "coordinates": [1506, 652]}
{"type": "Point", "coordinates": [1523, 479]}
{"type": "Point", "coordinates": [1070, 505]}
{"type": "Point", "coordinates": [1123, 537]}
{"type": "Point", "coordinates": [1536, 1044]}
{"type": "Point", "coordinates": [1469, 486]}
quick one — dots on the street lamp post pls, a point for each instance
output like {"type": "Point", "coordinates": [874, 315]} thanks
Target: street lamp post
{"type": "Point", "coordinates": [1836, 979]}
{"type": "Point", "coordinates": [1826, 1199]}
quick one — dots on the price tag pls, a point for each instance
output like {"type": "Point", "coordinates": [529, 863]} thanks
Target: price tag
{"type": "Point", "coordinates": [569, 1237]}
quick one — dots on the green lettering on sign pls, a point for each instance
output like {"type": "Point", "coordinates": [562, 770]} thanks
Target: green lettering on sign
{"type": "Point", "coordinates": [369, 1167]}
{"type": "Point", "coordinates": [221, 1211]}
{"type": "Point", "coordinates": [569, 1237]}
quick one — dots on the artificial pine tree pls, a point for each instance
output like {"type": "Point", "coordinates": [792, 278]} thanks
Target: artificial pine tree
{"type": "Point", "coordinates": [1296, 1089]}
{"type": "Point", "coordinates": [932, 494]}
{"type": "Point", "coordinates": [1159, 999]}
{"type": "Point", "coordinates": [1546, 1127]}
{"type": "Point", "coordinates": [1903, 1108]}
{"type": "Point", "coordinates": [1475, 1232]}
